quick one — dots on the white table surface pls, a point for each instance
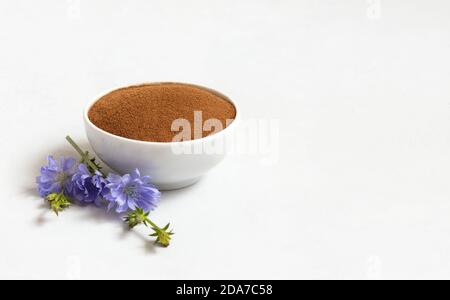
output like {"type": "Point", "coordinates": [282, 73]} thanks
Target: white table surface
{"type": "Point", "coordinates": [362, 185]}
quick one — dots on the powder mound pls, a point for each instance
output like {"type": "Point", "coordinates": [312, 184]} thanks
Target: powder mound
{"type": "Point", "coordinates": [146, 112]}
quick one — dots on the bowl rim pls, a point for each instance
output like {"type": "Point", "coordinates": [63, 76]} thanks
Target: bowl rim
{"type": "Point", "coordinates": [203, 139]}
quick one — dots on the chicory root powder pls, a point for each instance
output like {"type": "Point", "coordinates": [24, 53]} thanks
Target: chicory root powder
{"type": "Point", "coordinates": [147, 112]}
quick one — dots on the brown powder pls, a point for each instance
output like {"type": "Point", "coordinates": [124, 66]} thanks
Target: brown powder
{"type": "Point", "coordinates": [146, 112]}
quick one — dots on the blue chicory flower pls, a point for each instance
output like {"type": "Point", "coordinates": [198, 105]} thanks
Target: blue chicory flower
{"type": "Point", "coordinates": [88, 188]}
{"type": "Point", "coordinates": [56, 176]}
{"type": "Point", "coordinates": [131, 191]}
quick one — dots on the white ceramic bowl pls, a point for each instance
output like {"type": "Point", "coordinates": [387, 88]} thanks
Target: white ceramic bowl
{"type": "Point", "coordinates": [170, 165]}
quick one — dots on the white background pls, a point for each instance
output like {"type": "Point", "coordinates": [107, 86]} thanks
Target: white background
{"type": "Point", "coordinates": [360, 88]}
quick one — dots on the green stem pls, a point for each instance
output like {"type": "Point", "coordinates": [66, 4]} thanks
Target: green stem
{"type": "Point", "coordinates": [151, 223]}
{"type": "Point", "coordinates": [84, 156]}
{"type": "Point", "coordinates": [75, 146]}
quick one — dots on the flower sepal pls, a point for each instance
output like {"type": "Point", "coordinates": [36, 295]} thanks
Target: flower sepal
{"type": "Point", "coordinates": [58, 202]}
{"type": "Point", "coordinates": [136, 217]}
{"type": "Point", "coordinates": [163, 236]}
